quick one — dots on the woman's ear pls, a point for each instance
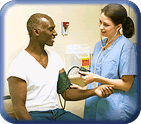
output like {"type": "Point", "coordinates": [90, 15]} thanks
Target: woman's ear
{"type": "Point", "coordinates": [119, 27]}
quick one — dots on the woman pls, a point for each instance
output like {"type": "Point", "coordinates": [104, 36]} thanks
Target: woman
{"type": "Point", "coordinates": [114, 63]}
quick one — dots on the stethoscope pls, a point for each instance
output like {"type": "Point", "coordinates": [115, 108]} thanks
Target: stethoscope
{"type": "Point", "coordinates": [103, 47]}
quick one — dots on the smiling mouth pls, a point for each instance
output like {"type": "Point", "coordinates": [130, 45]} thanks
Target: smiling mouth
{"type": "Point", "coordinates": [103, 32]}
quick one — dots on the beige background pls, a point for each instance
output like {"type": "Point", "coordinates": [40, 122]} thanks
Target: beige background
{"type": "Point", "coordinates": [83, 29]}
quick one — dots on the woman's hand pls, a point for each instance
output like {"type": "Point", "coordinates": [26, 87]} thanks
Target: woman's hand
{"type": "Point", "coordinates": [74, 86]}
{"type": "Point", "coordinates": [104, 90]}
{"type": "Point", "coordinates": [89, 77]}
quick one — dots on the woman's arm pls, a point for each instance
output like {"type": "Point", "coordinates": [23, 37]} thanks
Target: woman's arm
{"type": "Point", "coordinates": [124, 83]}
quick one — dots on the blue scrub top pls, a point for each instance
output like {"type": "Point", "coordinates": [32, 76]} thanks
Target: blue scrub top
{"type": "Point", "coordinates": [118, 60]}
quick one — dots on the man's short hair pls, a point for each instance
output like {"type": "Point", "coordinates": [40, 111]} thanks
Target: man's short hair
{"type": "Point", "coordinates": [34, 22]}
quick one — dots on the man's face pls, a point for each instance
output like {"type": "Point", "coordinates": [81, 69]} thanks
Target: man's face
{"type": "Point", "coordinates": [47, 32]}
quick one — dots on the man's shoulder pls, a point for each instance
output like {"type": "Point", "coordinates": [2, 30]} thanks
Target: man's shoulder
{"type": "Point", "coordinates": [20, 57]}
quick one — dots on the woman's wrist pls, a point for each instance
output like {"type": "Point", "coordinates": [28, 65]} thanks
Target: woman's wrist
{"type": "Point", "coordinates": [96, 78]}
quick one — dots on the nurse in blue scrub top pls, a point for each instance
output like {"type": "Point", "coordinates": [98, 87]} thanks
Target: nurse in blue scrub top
{"type": "Point", "coordinates": [114, 63]}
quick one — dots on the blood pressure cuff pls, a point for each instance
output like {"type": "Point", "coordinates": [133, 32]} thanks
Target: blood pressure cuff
{"type": "Point", "coordinates": [63, 83]}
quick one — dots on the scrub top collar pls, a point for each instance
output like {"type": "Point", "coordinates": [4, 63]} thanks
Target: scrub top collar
{"type": "Point", "coordinates": [105, 53]}
{"type": "Point", "coordinates": [112, 45]}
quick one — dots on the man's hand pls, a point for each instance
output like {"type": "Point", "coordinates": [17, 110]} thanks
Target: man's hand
{"type": "Point", "coordinates": [104, 91]}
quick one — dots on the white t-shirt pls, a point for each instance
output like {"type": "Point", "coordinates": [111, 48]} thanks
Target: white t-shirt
{"type": "Point", "coordinates": [41, 82]}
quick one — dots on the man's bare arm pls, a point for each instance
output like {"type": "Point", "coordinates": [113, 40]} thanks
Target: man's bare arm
{"type": "Point", "coordinates": [77, 94]}
{"type": "Point", "coordinates": [18, 91]}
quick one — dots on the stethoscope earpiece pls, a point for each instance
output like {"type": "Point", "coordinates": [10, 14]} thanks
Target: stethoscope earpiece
{"type": "Point", "coordinates": [118, 28]}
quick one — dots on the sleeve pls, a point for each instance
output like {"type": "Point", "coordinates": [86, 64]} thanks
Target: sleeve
{"type": "Point", "coordinates": [17, 70]}
{"type": "Point", "coordinates": [61, 64]}
{"type": "Point", "coordinates": [93, 62]}
{"type": "Point", "coordinates": [58, 60]}
{"type": "Point", "coordinates": [128, 62]}
{"type": "Point", "coordinates": [96, 51]}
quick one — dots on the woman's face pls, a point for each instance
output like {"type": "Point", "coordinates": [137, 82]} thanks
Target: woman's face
{"type": "Point", "coordinates": [106, 26]}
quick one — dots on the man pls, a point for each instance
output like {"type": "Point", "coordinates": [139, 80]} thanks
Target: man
{"type": "Point", "coordinates": [33, 77]}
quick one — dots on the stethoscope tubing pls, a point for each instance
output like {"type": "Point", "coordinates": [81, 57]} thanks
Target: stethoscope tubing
{"type": "Point", "coordinates": [96, 83]}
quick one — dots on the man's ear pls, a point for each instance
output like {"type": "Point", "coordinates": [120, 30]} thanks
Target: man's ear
{"type": "Point", "coordinates": [36, 32]}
